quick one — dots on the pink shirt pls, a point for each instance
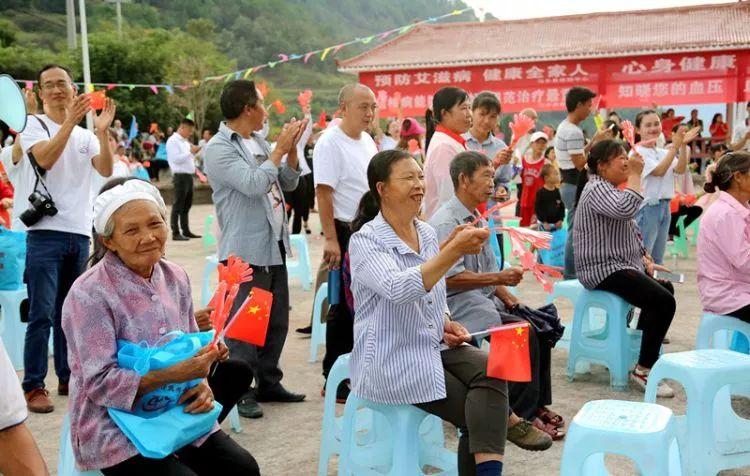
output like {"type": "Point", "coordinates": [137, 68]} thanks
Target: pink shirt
{"type": "Point", "coordinates": [438, 183]}
{"type": "Point", "coordinates": [724, 256]}
{"type": "Point", "coordinates": [110, 302]}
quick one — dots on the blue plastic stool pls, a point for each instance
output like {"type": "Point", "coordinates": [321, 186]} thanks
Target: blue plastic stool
{"type": "Point", "coordinates": [614, 345]}
{"type": "Point", "coordinates": [569, 289]}
{"type": "Point", "coordinates": [712, 437]}
{"type": "Point", "coordinates": [724, 332]}
{"type": "Point", "coordinates": [644, 432]}
{"type": "Point", "coordinates": [495, 245]}
{"type": "Point", "coordinates": [318, 336]}
{"type": "Point", "coordinates": [12, 330]}
{"type": "Point", "coordinates": [234, 420]}
{"type": "Point", "coordinates": [373, 436]}
{"type": "Point", "coordinates": [66, 464]}
{"type": "Point", "coordinates": [407, 452]}
{"type": "Point", "coordinates": [300, 266]}
{"type": "Point", "coordinates": [208, 271]}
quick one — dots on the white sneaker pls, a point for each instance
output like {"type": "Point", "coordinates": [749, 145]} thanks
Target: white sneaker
{"type": "Point", "coordinates": [640, 379]}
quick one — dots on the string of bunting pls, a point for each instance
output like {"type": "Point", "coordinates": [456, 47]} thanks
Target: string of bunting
{"type": "Point", "coordinates": [329, 51]}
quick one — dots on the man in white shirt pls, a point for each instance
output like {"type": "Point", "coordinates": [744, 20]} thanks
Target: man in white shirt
{"type": "Point", "coordinates": [68, 156]}
{"type": "Point", "coordinates": [341, 157]}
{"type": "Point", "coordinates": [180, 156]}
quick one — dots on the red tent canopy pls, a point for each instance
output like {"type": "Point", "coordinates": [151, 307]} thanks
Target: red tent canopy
{"type": "Point", "coordinates": [687, 55]}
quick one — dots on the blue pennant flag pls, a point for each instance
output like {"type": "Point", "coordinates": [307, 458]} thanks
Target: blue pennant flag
{"type": "Point", "coordinates": [133, 130]}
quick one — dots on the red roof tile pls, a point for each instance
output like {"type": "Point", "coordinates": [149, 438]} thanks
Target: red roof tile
{"type": "Point", "coordinates": [694, 28]}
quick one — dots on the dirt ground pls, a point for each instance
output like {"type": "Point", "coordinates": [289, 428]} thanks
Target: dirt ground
{"type": "Point", "coordinates": [286, 440]}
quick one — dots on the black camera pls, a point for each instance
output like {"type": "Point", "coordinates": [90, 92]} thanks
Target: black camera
{"type": "Point", "coordinates": [41, 206]}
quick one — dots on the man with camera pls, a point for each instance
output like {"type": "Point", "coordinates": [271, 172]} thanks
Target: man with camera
{"type": "Point", "coordinates": [63, 158]}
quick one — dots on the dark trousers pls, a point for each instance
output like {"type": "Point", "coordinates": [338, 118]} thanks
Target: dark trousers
{"type": "Point", "coordinates": [264, 361]}
{"type": "Point", "coordinates": [155, 167]}
{"type": "Point", "coordinates": [528, 397]}
{"type": "Point", "coordinates": [219, 454]}
{"type": "Point", "coordinates": [656, 301]}
{"type": "Point", "coordinates": [476, 404]}
{"type": "Point", "coordinates": [54, 260]}
{"type": "Point", "coordinates": [742, 313]}
{"type": "Point", "coordinates": [299, 200]}
{"type": "Point", "coordinates": [229, 381]}
{"type": "Point", "coordinates": [340, 326]}
{"type": "Point", "coordinates": [691, 214]}
{"type": "Point", "coordinates": [183, 201]}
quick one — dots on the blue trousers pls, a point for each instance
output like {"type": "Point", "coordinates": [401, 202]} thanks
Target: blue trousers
{"type": "Point", "coordinates": [653, 220]}
{"type": "Point", "coordinates": [54, 260]}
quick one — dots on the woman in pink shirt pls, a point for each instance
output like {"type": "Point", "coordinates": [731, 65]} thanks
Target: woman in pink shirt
{"type": "Point", "coordinates": [724, 240]}
{"type": "Point", "coordinates": [449, 118]}
{"type": "Point", "coordinates": [134, 294]}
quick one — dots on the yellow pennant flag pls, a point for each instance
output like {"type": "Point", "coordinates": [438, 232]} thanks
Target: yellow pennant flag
{"type": "Point", "coordinates": [325, 53]}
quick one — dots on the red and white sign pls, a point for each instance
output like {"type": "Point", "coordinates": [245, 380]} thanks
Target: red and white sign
{"type": "Point", "coordinates": [690, 78]}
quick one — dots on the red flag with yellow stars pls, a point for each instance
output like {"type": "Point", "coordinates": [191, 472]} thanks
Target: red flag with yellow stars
{"type": "Point", "coordinates": [250, 323]}
{"type": "Point", "coordinates": [509, 353]}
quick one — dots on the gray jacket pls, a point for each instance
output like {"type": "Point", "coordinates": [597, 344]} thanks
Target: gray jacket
{"type": "Point", "coordinates": [240, 184]}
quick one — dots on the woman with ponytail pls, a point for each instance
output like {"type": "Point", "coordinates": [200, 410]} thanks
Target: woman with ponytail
{"type": "Point", "coordinates": [401, 317]}
{"type": "Point", "coordinates": [449, 118]}
{"type": "Point", "coordinates": [724, 240]}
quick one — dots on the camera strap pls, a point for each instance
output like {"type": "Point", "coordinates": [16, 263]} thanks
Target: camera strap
{"type": "Point", "coordinates": [38, 170]}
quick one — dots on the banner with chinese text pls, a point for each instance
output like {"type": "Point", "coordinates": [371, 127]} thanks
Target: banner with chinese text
{"type": "Point", "coordinates": [690, 78]}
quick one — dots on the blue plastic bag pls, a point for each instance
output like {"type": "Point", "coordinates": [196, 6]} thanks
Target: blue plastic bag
{"type": "Point", "coordinates": [140, 172]}
{"type": "Point", "coordinates": [142, 358]}
{"type": "Point", "coordinates": [555, 256]}
{"type": "Point", "coordinates": [158, 426]}
{"type": "Point", "coordinates": [161, 436]}
{"type": "Point", "coordinates": [12, 259]}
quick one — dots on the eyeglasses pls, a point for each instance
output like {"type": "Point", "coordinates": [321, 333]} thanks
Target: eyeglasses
{"type": "Point", "coordinates": [56, 85]}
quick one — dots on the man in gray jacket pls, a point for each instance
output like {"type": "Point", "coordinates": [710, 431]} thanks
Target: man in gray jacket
{"type": "Point", "coordinates": [248, 179]}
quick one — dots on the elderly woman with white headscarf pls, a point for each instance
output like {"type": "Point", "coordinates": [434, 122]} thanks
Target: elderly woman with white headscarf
{"type": "Point", "coordinates": [134, 294]}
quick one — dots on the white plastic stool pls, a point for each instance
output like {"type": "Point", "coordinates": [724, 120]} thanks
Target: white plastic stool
{"type": "Point", "coordinates": [711, 435]}
{"type": "Point", "coordinates": [318, 336]}
{"type": "Point", "coordinates": [644, 432]}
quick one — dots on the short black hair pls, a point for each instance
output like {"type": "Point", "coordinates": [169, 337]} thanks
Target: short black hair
{"type": "Point", "coordinates": [486, 100]}
{"type": "Point", "coordinates": [235, 96]}
{"type": "Point", "coordinates": [467, 163]}
{"type": "Point", "coordinates": [187, 122]}
{"type": "Point", "coordinates": [50, 66]}
{"type": "Point", "coordinates": [577, 95]}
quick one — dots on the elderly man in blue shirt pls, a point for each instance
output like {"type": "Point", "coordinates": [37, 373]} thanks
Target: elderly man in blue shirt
{"type": "Point", "coordinates": [477, 295]}
{"type": "Point", "coordinates": [248, 180]}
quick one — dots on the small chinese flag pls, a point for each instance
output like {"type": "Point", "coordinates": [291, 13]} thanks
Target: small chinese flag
{"type": "Point", "coordinates": [322, 119]}
{"type": "Point", "coordinates": [98, 99]}
{"type": "Point", "coordinates": [250, 323]}
{"type": "Point", "coordinates": [509, 353]}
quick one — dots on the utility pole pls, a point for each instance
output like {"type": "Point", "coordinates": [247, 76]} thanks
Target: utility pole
{"type": "Point", "coordinates": [70, 12]}
{"type": "Point", "coordinates": [118, 10]}
{"type": "Point", "coordinates": [86, 65]}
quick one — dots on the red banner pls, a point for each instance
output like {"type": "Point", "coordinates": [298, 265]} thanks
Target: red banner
{"type": "Point", "coordinates": [690, 78]}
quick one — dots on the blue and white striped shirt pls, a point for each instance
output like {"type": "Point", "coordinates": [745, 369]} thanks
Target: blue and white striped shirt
{"type": "Point", "coordinates": [398, 325]}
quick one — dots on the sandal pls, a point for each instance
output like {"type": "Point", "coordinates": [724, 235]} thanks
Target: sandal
{"type": "Point", "coordinates": [550, 417]}
{"type": "Point", "coordinates": [555, 433]}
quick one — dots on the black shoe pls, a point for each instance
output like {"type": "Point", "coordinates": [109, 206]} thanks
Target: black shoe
{"type": "Point", "coordinates": [180, 238]}
{"type": "Point", "coordinates": [248, 407]}
{"type": "Point", "coordinates": [304, 330]}
{"type": "Point", "coordinates": [279, 394]}
{"type": "Point", "coordinates": [191, 235]}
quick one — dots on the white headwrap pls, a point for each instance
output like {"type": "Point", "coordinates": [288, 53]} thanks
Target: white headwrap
{"type": "Point", "coordinates": [109, 202]}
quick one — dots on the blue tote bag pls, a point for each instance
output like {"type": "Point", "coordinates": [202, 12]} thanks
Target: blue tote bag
{"type": "Point", "coordinates": [157, 426]}
{"type": "Point", "coordinates": [555, 256]}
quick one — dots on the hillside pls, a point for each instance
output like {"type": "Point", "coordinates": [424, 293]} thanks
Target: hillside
{"type": "Point", "coordinates": [175, 41]}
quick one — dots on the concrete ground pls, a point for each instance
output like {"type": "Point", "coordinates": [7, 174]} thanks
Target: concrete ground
{"type": "Point", "coordinates": [286, 440]}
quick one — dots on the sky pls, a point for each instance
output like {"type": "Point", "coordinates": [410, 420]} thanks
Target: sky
{"type": "Point", "coordinates": [511, 9]}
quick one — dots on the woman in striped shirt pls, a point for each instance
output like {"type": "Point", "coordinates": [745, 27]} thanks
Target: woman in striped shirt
{"type": "Point", "coordinates": [401, 316]}
{"type": "Point", "coordinates": [609, 252]}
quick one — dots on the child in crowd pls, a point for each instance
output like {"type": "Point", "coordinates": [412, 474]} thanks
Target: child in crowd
{"type": "Point", "coordinates": [533, 161]}
{"type": "Point", "coordinates": [548, 205]}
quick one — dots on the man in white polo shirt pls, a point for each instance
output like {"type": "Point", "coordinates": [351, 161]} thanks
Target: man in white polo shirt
{"type": "Point", "coordinates": [181, 159]}
{"type": "Point", "coordinates": [341, 157]}
{"type": "Point", "coordinates": [66, 157]}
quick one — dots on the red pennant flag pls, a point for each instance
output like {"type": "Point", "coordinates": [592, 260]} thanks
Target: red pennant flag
{"type": "Point", "coordinates": [509, 353]}
{"type": "Point", "coordinates": [250, 323]}
{"type": "Point", "coordinates": [322, 119]}
{"type": "Point", "coordinates": [111, 86]}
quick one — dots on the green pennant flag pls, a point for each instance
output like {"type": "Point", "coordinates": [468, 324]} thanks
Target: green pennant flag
{"type": "Point", "coordinates": [405, 29]}
{"type": "Point", "coordinates": [189, 116]}
{"type": "Point", "coordinates": [131, 86]}
{"type": "Point", "coordinates": [271, 64]}
{"type": "Point", "coordinates": [368, 39]}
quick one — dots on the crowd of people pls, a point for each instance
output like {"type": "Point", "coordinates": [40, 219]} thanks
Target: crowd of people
{"type": "Point", "coordinates": [403, 222]}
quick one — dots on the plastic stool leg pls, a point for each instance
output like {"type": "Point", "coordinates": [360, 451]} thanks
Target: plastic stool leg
{"type": "Point", "coordinates": [234, 420]}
